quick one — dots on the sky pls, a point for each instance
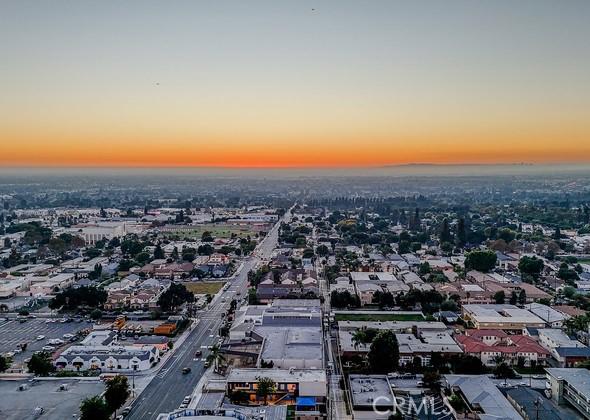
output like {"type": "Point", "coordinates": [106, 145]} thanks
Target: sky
{"type": "Point", "coordinates": [293, 83]}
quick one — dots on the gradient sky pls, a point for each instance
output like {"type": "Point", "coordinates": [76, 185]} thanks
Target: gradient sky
{"type": "Point", "coordinates": [275, 83]}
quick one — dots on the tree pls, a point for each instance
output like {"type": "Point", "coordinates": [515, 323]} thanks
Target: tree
{"type": "Point", "coordinates": [431, 379]}
{"type": "Point", "coordinates": [3, 363]}
{"type": "Point", "coordinates": [96, 314]}
{"type": "Point", "coordinates": [531, 266]}
{"type": "Point", "coordinates": [216, 357]}
{"type": "Point", "coordinates": [445, 233]}
{"type": "Point", "coordinates": [159, 252]}
{"type": "Point", "coordinates": [322, 250]}
{"type": "Point", "coordinates": [205, 249]}
{"type": "Point", "coordinates": [40, 364]}
{"type": "Point", "coordinates": [500, 297]}
{"type": "Point", "coordinates": [174, 296]}
{"type": "Point", "coordinates": [384, 353]}
{"type": "Point", "coordinates": [461, 233]}
{"type": "Point", "coordinates": [566, 273]}
{"type": "Point", "coordinates": [577, 323]}
{"type": "Point", "coordinates": [252, 296]}
{"type": "Point", "coordinates": [503, 371]}
{"type": "Point", "coordinates": [265, 387]}
{"type": "Point", "coordinates": [94, 408]}
{"type": "Point", "coordinates": [463, 364]}
{"type": "Point", "coordinates": [73, 298]}
{"type": "Point", "coordinates": [116, 393]}
{"type": "Point", "coordinates": [482, 261]}
{"type": "Point", "coordinates": [522, 297]}
{"type": "Point", "coordinates": [513, 298]}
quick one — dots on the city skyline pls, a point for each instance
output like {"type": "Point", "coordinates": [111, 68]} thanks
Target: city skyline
{"type": "Point", "coordinates": [305, 84]}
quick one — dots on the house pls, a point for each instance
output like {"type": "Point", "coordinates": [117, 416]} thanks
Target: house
{"type": "Point", "coordinates": [219, 258]}
{"type": "Point", "coordinates": [289, 284]}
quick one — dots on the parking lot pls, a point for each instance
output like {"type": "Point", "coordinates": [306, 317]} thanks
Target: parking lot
{"type": "Point", "coordinates": [13, 333]}
{"type": "Point", "coordinates": [57, 404]}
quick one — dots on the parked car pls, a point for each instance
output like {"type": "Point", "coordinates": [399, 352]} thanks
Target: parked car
{"type": "Point", "coordinates": [48, 348]}
{"type": "Point", "coordinates": [40, 337]}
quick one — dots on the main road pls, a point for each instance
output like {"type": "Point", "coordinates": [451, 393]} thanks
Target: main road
{"type": "Point", "coordinates": [169, 386]}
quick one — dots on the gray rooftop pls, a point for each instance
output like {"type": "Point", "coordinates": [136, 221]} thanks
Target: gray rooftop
{"type": "Point", "coordinates": [365, 389]}
{"type": "Point", "coordinates": [578, 378]}
{"type": "Point", "coordinates": [481, 393]}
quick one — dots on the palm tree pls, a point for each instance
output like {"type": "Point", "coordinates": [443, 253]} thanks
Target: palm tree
{"type": "Point", "coordinates": [359, 337]}
{"type": "Point", "coordinates": [265, 387]}
{"type": "Point", "coordinates": [216, 357]}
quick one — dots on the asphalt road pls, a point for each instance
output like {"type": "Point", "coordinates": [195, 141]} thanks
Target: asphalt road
{"type": "Point", "coordinates": [169, 386]}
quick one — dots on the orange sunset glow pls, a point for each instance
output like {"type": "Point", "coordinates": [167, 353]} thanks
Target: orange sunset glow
{"type": "Point", "coordinates": [286, 85]}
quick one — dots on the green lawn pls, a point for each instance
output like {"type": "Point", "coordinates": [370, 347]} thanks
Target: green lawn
{"type": "Point", "coordinates": [202, 288]}
{"type": "Point", "coordinates": [218, 230]}
{"type": "Point", "coordinates": [378, 317]}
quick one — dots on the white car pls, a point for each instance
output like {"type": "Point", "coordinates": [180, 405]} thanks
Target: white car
{"type": "Point", "coordinates": [47, 348]}
{"type": "Point", "coordinates": [56, 342]}
{"type": "Point", "coordinates": [68, 336]}
{"type": "Point", "coordinates": [40, 337]}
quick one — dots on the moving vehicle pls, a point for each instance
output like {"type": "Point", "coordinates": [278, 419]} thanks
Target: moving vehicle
{"type": "Point", "coordinates": [198, 353]}
{"type": "Point", "coordinates": [186, 370]}
{"type": "Point", "coordinates": [47, 348]}
{"type": "Point", "coordinates": [40, 337]}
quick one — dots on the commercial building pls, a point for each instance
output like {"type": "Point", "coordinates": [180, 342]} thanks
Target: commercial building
{"type": "Point", "coordinates": [290, 383]}
{"type": "Point", "coordinates": [371, 391]}
{"type": "Point", "coordinates": [286, 347]}
{"type": "Point", "coordinates": [565, 350]}
{"type": "Point", "coordinates": [502, 317]}
{"type": "Point", "coordinates": [107, 358]}
{"type": "Point", "coordinates": [422, 345]}
{"type": "Point", "coordinates": [571, 385]}
{"type": "Point", "coordinates": [553, 318]}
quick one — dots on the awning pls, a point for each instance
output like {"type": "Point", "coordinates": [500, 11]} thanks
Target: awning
{"type": "Point", "coordinates": [305, 402]}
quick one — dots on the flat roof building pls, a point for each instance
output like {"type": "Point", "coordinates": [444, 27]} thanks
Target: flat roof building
{"type": "Point", "coordinates": [503, 317]}
{"type": "Point", "coordinates": [571, 385]}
